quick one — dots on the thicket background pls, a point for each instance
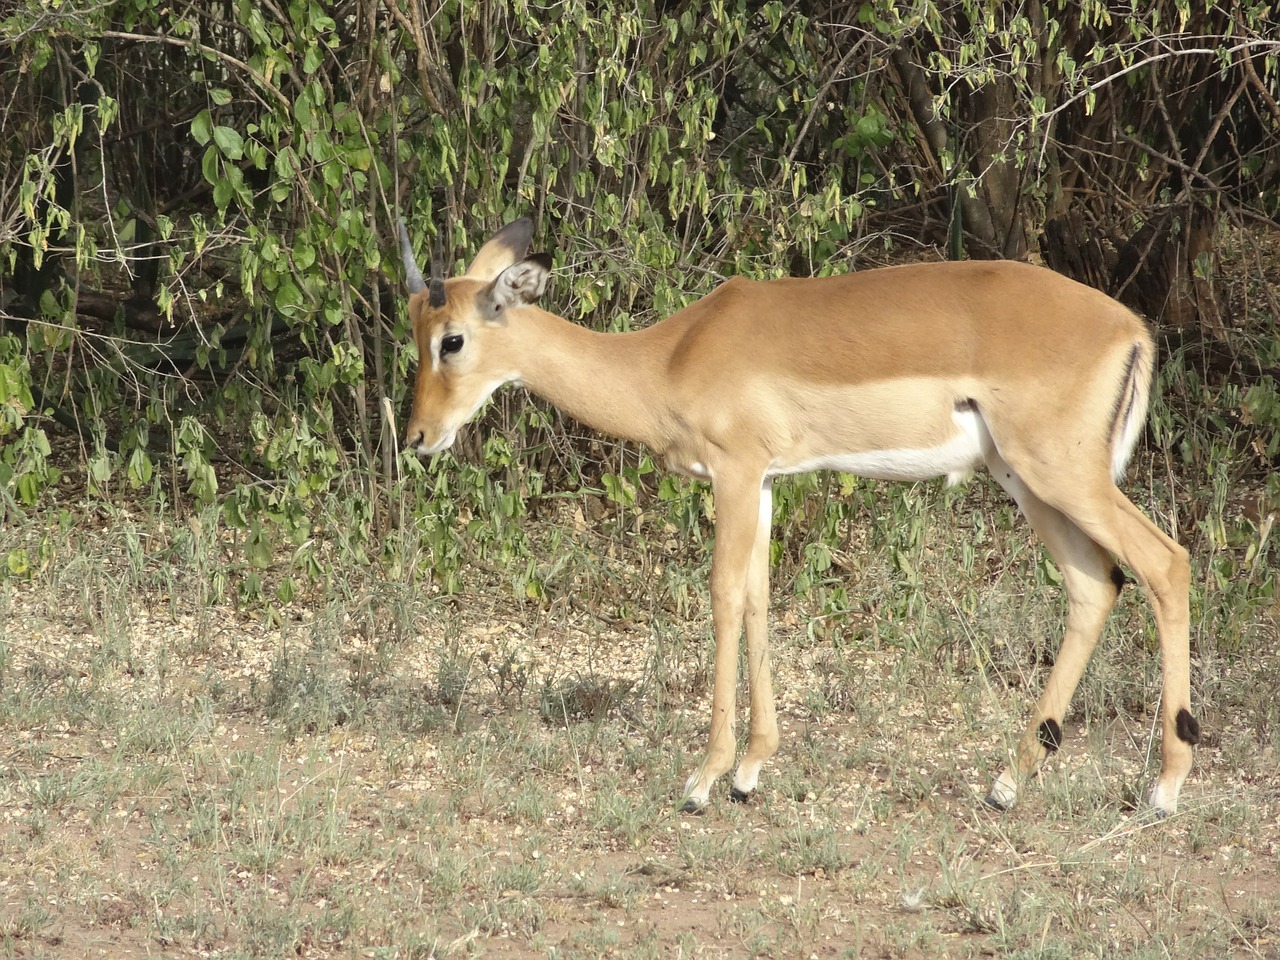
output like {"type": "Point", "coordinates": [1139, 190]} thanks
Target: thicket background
{"type": "Point", "coordinates": [200, 301]}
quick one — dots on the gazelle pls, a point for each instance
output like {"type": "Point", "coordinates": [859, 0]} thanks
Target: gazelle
{"type": "Point", "coordinates": [901, 373]}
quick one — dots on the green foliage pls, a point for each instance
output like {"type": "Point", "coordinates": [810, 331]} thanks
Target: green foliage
{"type": "Point", "coordinates": [15, 386]}
{"type": "Point", "coordinates": [25, 470]}
{"type": "Point", "coordinates": [194, 253]}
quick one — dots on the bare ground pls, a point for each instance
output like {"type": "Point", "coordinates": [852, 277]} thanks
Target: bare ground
{"type": "Point", "coordinates": [506, 783]}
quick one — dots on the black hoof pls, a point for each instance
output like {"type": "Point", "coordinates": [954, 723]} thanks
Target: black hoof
{"type": "Point", "coordinates": [1158, 814]}
{"type": "Point", "coordinates": [693, 807]}
{"type": "Point", "coordinates": [995, 803]}
{"type": "Point", "coordinates": [739, 796]}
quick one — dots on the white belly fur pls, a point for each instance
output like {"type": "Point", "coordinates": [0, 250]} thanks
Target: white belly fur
{"type": "Point", "coordinates": [957, 458]}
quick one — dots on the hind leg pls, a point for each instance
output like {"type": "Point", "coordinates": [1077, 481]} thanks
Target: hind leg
{"type": "Point", "coordinates": [1163, 568]}
{"type": "Point", "coordinates": [1093, 583]}
{"type": "Point", "coordinates": [1092, 503]}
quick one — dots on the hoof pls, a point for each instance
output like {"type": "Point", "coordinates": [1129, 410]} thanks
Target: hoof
{"type": "Point", "coordinates": [693, 807]}
{"type": "Point", "coordinates": [739, 796]}
{"type": "Point", "coordinates": [1163, 800]}
{"type": "Point", "coordinates": [1003, 793]}
{"type": "Point", "coordinates": [996, 803]}
{"type": "Point", "coordinates": [1159, 810]}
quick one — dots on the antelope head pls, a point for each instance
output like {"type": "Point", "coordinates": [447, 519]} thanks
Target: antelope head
{"type": "Point", "coordinates": [460, 326]}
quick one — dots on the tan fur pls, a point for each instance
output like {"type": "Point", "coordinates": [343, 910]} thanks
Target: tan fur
{"type": "Point", "coordinates": [884, 368]}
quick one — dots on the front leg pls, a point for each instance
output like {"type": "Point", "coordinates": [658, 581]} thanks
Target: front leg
{"type": "Point", "coordinates": [737, 522]}
{"type": "Point", "coordinates": [763, 740]}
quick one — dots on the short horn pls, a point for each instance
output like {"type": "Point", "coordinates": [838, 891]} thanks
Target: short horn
{"type": "Point", "coordinates": [436, 296]}
{"type": "Point", "coordinates": [412, 275]}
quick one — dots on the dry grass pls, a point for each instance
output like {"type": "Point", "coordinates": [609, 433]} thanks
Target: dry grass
{"type": "Point", "coordinates": [377, 770]}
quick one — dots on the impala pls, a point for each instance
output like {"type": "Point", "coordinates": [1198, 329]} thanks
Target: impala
{"type": "Point", "coordinates": [901, 373]}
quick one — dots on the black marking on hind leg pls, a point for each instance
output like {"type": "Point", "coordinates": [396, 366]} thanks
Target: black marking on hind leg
{"type": "Point", "coordinates": [1188, 727]}
{"type": "Point", "coordinates": [1050, 734]}
{"type": "Point", "coordinates": [739, 796]}
{"type": "Point", "coordinates": [1118, 578]}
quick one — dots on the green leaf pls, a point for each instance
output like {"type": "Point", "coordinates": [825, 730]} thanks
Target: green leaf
{"type": "Point", "coordinates": [99, 469]}
{"type": "Point", "coordinates": [139, 469]}
{"type": "Point", "coordinates": [222, 191]}
{"type": "Point", "coordinates": [209, 165]}
{"type": "Point", "coordinates": [18, 562]}
{"type": "Point", "coordinates": [202, 127]}
{"type": "Point", "coordinates": [285, 165]}
{"type": "Point", "coordinates": [288, 297]}
{"type": "Point", "coordinates": [229, 142]}
{"type": "Point", "coordinates": [258, 550]}
{"type": "Point", "coordinates": [302, 111]}
{"type": "Point", "coordinates": [304, 255]}
{"type": "Point", "coordinates": [360, 158]}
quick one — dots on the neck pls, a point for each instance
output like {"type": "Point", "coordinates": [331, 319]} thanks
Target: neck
{"type": "Point", "coordinates": [608, 381]}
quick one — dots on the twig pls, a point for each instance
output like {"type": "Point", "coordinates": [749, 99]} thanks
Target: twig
{"type": "Point", "coordinates": [1246, 63]}
{"type": "Point", "coordinates": [204, 48]}
{"type": "Point", "coordinates": [1157, 58]}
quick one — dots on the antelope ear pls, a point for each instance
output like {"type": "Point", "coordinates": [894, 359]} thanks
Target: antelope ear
{"type": "Point", "coordinates": [505, 248]}
{"type": "Point", "coordinates": [520, 283]}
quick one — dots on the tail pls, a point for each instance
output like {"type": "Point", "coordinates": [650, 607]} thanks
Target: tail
{"type": "Point", "coordinates": [1131, 405]}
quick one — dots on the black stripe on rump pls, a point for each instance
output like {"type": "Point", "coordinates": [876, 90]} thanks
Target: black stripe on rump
{"type": "Point", "coordinates": [1128, 395]}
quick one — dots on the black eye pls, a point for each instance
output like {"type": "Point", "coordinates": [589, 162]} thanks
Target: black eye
{"type": "Point", "coordinates": [450, 344]}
